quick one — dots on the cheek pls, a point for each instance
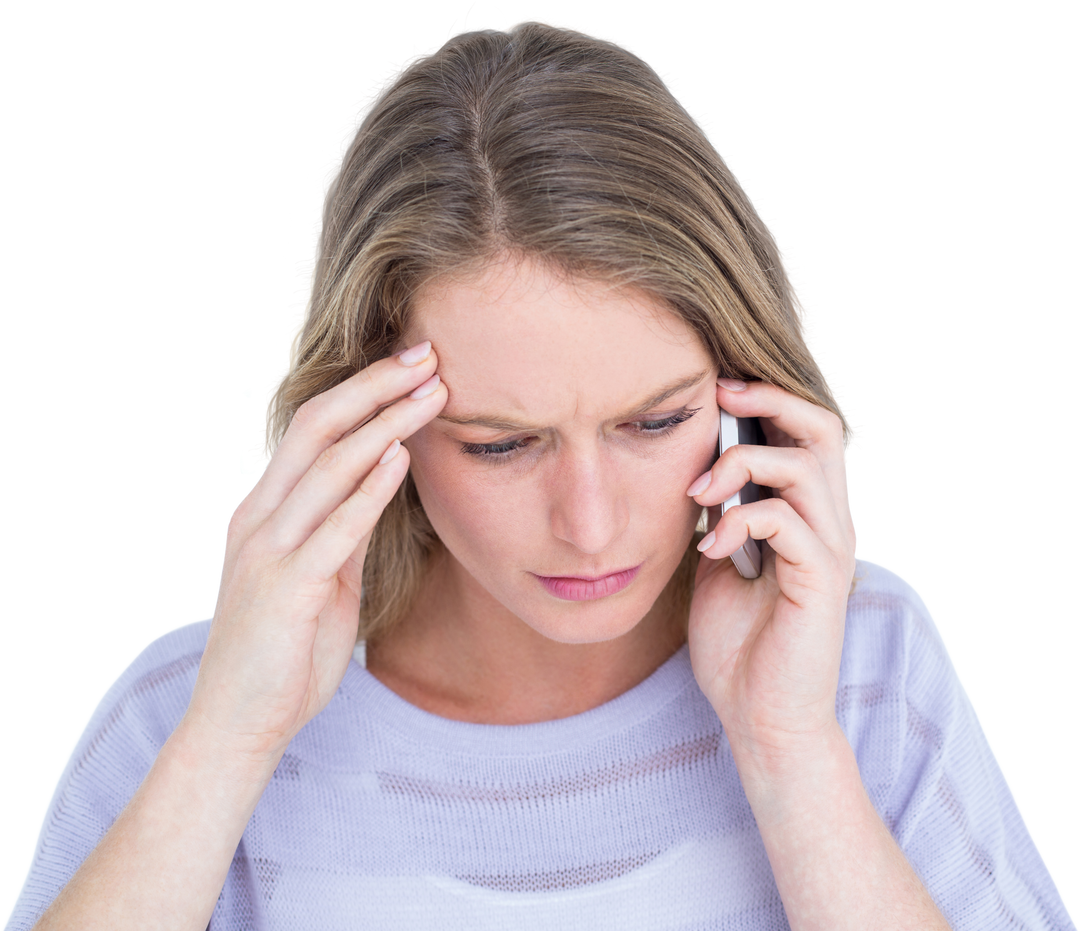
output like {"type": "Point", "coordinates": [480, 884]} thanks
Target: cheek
{"type": "Point", "coordinates": [665, 480]}
{"type": "Point", "coordinates": [680, 459]}
{"type": "Point", "coordinates": [427, 464]}
{"type": "Point", "coordinates": [467, 512]}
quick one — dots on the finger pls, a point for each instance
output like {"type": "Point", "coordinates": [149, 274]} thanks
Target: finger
{"type": "Point", "coordinates": [327, 417]}
{"type": "Point", "coordinates": [808, 426]}
{"type": "Point", "coordinates": [337, 538]}
{"type": "Point", "coordinates": [793, 474]}
{"type": "Point", "coordinates": [788, 535]}
{"type": "Point", "coordinates": [340, 468]}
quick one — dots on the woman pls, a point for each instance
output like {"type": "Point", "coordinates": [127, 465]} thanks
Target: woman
{"type": "Point", "coordinates": [537, 286]}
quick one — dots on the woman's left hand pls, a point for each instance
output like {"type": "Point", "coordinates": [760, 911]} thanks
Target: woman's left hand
{"type": "Point", "coordinates": [766, 651]}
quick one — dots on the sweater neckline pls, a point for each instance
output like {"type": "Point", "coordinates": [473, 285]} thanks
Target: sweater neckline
{"type": "Point", "coordinates": [383, 707]}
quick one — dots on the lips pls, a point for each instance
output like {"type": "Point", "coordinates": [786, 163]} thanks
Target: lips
{"type": "Point", "coordinates": [589, 578]}
{"type": "Point", "coordinates": [578, 588]}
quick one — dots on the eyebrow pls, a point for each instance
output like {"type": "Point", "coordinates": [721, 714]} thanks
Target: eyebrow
{"type": "Point", "coordinates": [498, 422]}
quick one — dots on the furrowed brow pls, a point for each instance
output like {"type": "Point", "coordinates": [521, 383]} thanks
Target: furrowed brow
{"type": "Point", "coordinates": [499, 422]}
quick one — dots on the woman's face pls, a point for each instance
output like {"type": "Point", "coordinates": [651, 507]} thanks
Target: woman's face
{"type": "Point", "coordinates": [556, 475]}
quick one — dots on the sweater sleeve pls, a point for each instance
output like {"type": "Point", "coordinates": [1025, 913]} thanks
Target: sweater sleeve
{"type": "Point", "coordinates": [110, 761]}
{"type": "Point", "coordinates": [929, 770]}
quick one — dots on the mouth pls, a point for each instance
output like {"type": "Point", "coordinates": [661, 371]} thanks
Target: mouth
{"type": "Point", "coordinates": [580, 588]}
{"type": "Point", "coordinates": [591, 578]}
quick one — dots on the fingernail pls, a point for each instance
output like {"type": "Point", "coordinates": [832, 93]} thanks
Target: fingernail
{"type": "Point", "coordinates": [391, 451]}
{"type": "Point", "coordinates": [415, 354]}
{"type": "Point", "coordinates": [700, 485]}
{"type": "Point", "coordinates": [732, 384]}
{"type": "Point", "coordinates": [708, 540]}
{"type": "Point", "coordinates": [426, 388]}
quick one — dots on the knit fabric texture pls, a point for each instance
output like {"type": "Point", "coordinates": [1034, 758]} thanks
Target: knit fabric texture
{"type": "Point", "coordinates": [629, 816]}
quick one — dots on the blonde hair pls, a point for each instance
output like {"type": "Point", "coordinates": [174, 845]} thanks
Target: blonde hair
{"type": "Point", "coordinates": [545, 143]}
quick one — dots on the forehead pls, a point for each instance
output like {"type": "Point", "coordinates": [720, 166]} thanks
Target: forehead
{"type": "Point", "coordinates": [535, 341]}
{"type": "Point", "coordinates": [525, 311]}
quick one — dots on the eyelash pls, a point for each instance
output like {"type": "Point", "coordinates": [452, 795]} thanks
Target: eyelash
{"type": "Point", "coordinates": [505, 450]}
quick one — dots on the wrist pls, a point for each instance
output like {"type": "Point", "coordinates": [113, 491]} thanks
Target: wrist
{"type": "Point", "coordinates": [835, 862]}
{"type": "Point", "coordinates": [785, 773]}
{"type": "Point", "coordinates": [198, 744]}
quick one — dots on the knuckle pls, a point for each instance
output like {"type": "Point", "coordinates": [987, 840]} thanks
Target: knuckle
{"type": "Point", "coordinates": [367, 379]}
{"type": "Point", "coordinates": [740, 454]}
{"type": "Point", "coordinates": [740, 457]}
{"type": "Point", "coordinates": [346, 515]}
{"type": "Point", "coordinates": [842, 572]}
{"type": "Point", "coordinates": [239, 513]}
{"type": "Point", "coordinates": [340, 519]}
{"type": "Point", "coordinates": [777, 508]}
{"type": "Point", "coordinates": [745, 514]}
{"type": "Point", "coordinates": [244, 523]}
{"type": "Point", "coordinates": [388, 416]}
{"type": "Point", "coordinates": [831, 424]}
{"type": "Point", "coordinates": [308, 414]}
{"type": "Point", "coordinates": [364, 494]}
{"type": "Point", "coordinates": [329, 459]}
{"type": "Point", "coordinates": [399, 419]}
{"type": "Point", "coordinates": [249, 558]}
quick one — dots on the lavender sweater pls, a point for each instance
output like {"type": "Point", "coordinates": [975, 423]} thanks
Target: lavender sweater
{"type": "Point", "coordinates": [629, 816]}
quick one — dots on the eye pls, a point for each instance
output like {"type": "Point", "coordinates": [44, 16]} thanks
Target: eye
{"type": "Point", "coordinates": [504, 451]}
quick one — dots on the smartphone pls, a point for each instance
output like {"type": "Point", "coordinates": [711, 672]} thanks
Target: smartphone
{"type": "Point", "coordinates": [733, 431]}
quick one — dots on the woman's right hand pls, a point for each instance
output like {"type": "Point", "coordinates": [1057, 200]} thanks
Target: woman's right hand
{"type": "Point", "coordinates": [287, 613]}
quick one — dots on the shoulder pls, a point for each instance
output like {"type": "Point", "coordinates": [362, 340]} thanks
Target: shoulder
{"type": "Point", "coordinates": [928, 768]}
{"type": "Point", "coordinates": [169, 654]}
{"type": "Point", "coordinates": [898, 698]}
{"type": "Point", "coordinates": [151, 695]}
{"type": "Point", "coordinates": [134, 715]}
{"type": "Point", "coordinates": [900, 680]}
{"type": "Point", "coordinates": [115, 752]}
{"type": "Point", "coordinates": [874, 587]}
{"type": "Point", "coordinates": [889, 635]}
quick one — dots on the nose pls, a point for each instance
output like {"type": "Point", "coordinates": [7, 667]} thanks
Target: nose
{"type": "Point", "coordinates": [588, 507]}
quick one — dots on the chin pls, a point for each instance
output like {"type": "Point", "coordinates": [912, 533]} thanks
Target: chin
{"type": "Point", "coordinates": [579, 634]}
{"type": "Point", "coordinates": [586, 621]}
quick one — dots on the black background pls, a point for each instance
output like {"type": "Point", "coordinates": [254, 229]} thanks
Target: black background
{"type": "Point", "coordinates": [183, 160]}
